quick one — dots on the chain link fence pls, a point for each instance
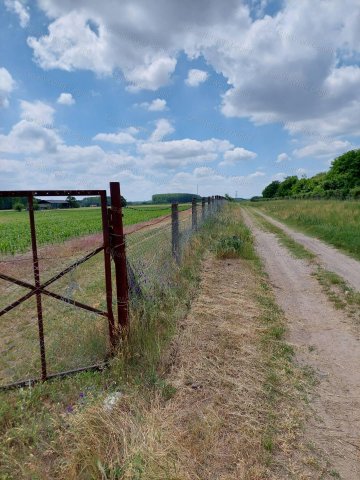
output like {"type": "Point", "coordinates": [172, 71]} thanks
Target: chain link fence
{"type": "Point", "coordinates": [75, 303]}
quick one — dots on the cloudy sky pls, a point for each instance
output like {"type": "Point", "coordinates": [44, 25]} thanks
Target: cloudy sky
{"type": "Point", "coordinates": [175, 95]}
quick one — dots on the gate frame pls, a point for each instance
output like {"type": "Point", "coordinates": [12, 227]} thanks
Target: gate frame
{"type": "Point", "coordinates": [113, 237]}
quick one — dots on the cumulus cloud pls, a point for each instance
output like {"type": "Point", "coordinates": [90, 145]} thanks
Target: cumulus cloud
{"type": "Point", "coordinates": [66, 99]}
{"type": "Point", "coordinates": [20, 9]}
{"type": "Point", "coordinates": [178, 153]}
{"type": "Point", "coordinates": [163, 128]}
{"type": "Point", "coordinates": [157, 105]}
{"type": "Point", "coordinates": [37, 112]}
{"type": "Point", "coordinates": [320, 149]}
{"type": "Point", "coordinates": [7, 85]}
{"type": "Point", "coordinates": [309, 62]}
{"type": "Point", "coordinates": [238, 154]}
{"type": "Point", "coordinates": [195, 77]}
{"type": "Point", "coordinates": [282, 157]}
{"type": "Point", "coordinates": [121, 137]}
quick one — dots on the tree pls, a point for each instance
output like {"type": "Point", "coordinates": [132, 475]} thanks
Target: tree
{"type": "Point", "coordinates": [18, 206]}
{"type": "Point", "coordinates": [228, 198]}
{"type": "Point", "coordinates": [123, 201]}
{"type": "Point", "coordinates": [285, 187]}
{"type": "Point", "coordinates": [73, 203]}
{"type": "Point", "coordinates": [271, 190]}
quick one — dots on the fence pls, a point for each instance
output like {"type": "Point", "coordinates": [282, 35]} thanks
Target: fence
{"type": "Point", "coordinates": [82, 301]}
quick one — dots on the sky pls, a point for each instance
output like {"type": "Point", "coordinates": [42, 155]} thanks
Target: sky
{"type": "Point", "coordinates": [202, 96]}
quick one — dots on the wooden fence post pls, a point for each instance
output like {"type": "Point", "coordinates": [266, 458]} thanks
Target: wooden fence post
{"type": "Point", "coordinates": [194, 214]}
{"type": "Point", "coordinates": [175, 232]}
{"type": "Point", "coordinates": [203, 209]}
{"type": "Point", "coordinates": [119, 256]}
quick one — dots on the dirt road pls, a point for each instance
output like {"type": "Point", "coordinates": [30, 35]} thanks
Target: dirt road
{"type": "Point", "coordinates": [323, 339]}
{"type": "Point", "coordinates": [333, 260]}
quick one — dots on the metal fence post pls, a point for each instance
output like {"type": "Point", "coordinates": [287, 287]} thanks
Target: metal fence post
{"type": "Point", "coordinates": [38, 286]}
{"type": "Point", "coordinates": [119, 256]}
{"type": "Point", "coordinates": [194, 214]}
{"type": "Point", "coordinates": [175, 232]}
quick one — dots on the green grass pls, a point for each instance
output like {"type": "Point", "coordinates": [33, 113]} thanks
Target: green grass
{"type": "Point", "coordinates": [54, 226]}
{"type": "Point", "coordinates": [335, 222]}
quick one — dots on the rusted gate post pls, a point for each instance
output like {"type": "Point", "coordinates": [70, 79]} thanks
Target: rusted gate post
{"type": "Point", "coordinates": [119, 256]}
{"type": "Point", "coordinates": [203, 209]}
{"type": "Point", "coordinates": [194, 214]}
{"type": "Point", "coordinates": [38, 286]}
{"type": "Point", "coordinates": [175, 232]}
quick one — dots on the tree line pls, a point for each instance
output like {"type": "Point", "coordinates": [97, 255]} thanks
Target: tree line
{"type": "Point", "coordinates": [342, 181]}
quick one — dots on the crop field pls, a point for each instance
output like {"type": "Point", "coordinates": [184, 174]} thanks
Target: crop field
{"type": "Point", "coordinates": [335, 222]}
{"type": "Point", "coordinates": [54, 226]}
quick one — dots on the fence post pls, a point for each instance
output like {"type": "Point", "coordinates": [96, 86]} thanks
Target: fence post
{"type": "Point", "coordinates": [194, 214]}
{"type": "Point", "coordinates": [208, 207]}
{"type": "Point", "coordinates": [119, 256]}
{"type": "Point", "coordinates": [213, 204]}
{"type": "Point", "coordinates": [203, 209]}
{"type": "Point", "coordinates": [37, 285]}
{"type": "Point", "coordinates": [175, 232]}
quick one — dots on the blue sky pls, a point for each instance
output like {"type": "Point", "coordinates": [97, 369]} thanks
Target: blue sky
{"type": "Point", "coordinates": [175, 95]}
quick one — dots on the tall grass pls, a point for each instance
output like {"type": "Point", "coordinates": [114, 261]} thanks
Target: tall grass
{"type": "Point", "coordinates": [337, 223]}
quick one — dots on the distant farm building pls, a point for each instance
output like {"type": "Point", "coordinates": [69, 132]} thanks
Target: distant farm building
{"type": "Point", "coordinates": [49, 204]}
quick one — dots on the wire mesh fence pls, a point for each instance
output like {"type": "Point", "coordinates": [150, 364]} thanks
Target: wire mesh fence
{"type": "Point", "coordinates": [76, 300]}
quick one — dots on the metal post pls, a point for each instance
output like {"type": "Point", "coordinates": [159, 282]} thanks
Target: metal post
{"type": "Point", "coordinates": [208, 206]}
{"type": "Point", "coordinates": [119, 256]}
{"type": "Point", "coordinates": [38, 286]}
{"type": "Point", "coordinates": [194, 214]}
{"type": "Point", "coordinates": [175, 232]}
{"type": "Point", "coordinates": [203, 209]}
{"type": "Point", "coordinates": [107, 268]}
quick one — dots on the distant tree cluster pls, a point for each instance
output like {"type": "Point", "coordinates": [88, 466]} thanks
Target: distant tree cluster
{"type": "Point", "coordinates": [174, 197]}
{"type": "Point", "coordinates": [341, 181]}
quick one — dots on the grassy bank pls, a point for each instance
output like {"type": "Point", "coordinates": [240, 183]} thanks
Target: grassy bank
{"type": "Point", "coordinates": [335, 222]}
{"type": "Point", "coordinates": [184, 387]}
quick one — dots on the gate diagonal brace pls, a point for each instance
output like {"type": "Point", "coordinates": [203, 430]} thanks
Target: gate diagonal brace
{"type": "Point", "coordinates": [42, 288]}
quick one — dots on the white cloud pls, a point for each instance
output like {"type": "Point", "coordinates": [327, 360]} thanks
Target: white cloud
{"type": "Point", "coordinates": [323, 149]}
{"type": "Point", "coordinates": [309, 62]}
{"type": "Point", "coordinates": [203, 172]}
{"type": "Point", "coordinates": [163, 128]}
{"type": "Point", "coordinates": [37, 112]}
{"type": "Point", "coordinates": [282, 157]}
{"type": "Point", "coordinates": [236, 155]}
{"type": "Point", "coordinates": [19, 7]}
{"type": "Point", "coordinates": [177, 153]}
{"type": "Point", "coordinates": [7, 85]}
{"type": "Point", "coordinates": [66, 99]}
{"type": "Point", "coordinates": [195, 77]}
{"type": "Point", "coordinates": [157, 105]}
{"type": "Point", "coordinates": [122, 137]}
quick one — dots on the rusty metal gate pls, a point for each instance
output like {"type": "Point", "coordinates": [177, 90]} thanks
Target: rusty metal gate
{"type": "Point", "coordinates": [113, 248]}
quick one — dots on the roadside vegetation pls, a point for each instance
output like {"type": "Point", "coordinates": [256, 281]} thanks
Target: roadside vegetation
{"type": "Point", "coordinates": [337, 223]}
{"type": "Point", "coordinates": [213, 393]}
{"type": "Point", "coordinates": [342, 181]}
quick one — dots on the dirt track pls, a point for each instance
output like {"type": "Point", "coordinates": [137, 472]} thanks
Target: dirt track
{"type": "Point", "coordinates": [333, 260]}
{"type": "Point", "coordinates": [323, 339]}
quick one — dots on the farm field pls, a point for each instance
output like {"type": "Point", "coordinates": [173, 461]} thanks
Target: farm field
{"type": "Point", "coordinates": [335, 222]}
{"type": "Point", "coordinates": [54, 226]}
